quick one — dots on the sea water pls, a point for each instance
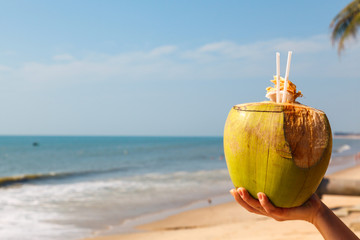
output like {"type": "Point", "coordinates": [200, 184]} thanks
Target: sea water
{"type": "Point", "coordinates": [76, 187]}
{"type": "Point", "coordinates": [73, 187]}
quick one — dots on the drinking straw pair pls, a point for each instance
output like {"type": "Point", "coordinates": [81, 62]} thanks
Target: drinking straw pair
{"type": "Point", "coordinates": [284, 96]}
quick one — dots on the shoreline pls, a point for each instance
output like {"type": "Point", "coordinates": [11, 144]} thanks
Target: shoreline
{"type": "Point", "coordinates": [350, 136]}
{"type": "Point", "coordinates": [200, 217]}
{"type": "Point", "coordinates": [133, 225]}
{"type": "Point", "coordinates": [130, 226]}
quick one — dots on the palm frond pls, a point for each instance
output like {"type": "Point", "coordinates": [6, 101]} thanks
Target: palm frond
{"type": "Point", "coordinates": [345, 24]}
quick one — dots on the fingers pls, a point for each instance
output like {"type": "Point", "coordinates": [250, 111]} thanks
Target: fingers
{"type": "Point", "coordinates": [265, 207]}
{"type": "Point", "coordinates": [249, 199]}
{"type": "Point", "coordinates": [271, 210]}
{"type": "Point", "coordinates": [240, 195]}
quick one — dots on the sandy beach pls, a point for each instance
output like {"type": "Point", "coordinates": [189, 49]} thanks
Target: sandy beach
{"type": "Point", "coordinates": [347, 136]}
{"type": "Point", "coordinates": [229, 221]}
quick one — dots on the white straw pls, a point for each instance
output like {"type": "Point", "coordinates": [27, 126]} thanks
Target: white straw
{"type": "Point", "coordinates": [277, 77]}
{"type": "Point", "coordinates": [286, 76]}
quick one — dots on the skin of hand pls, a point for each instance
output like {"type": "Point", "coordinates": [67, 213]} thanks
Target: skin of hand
{"type": "Point", "coordinates": [263, 206]}
{"type": "Point", "coordinates": [313, 211]}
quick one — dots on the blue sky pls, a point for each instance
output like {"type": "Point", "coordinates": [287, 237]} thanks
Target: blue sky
{"type": "Point", "coordinates": [164, 67]}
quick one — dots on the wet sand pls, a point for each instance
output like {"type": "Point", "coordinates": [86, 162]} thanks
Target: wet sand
{"type": "Point", "coordinates": [229, 221]}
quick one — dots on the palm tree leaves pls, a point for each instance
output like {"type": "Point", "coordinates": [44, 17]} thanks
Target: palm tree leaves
{"type": "Point", "coordinates": [345, 24]}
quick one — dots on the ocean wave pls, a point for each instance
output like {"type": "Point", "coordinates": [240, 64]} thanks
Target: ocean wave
{"type": "Point", "coordinates": [343, 148]}
{"type": "Point", "coordinates": [22, 179]}
{"type": "Point", "coordinates": [71, 209]}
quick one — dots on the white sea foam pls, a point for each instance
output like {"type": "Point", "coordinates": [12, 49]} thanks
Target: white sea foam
{"type": "Point", "coordinates": [75, 210]}
{"type": "Point", "coordinates": [26, 214]}
{"type": "Point", "coordinates": [343, 148]}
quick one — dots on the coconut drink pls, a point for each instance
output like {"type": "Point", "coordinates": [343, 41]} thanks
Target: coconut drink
{"type": "Point", "coordinates": [279, 147]}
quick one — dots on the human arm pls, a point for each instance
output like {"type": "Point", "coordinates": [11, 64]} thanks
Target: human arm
{"type": "Point", "coordinates": [313, 211]}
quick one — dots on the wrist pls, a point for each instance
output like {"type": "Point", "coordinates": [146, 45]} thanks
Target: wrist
{"type": "Point", "coordinates": [319, 214]}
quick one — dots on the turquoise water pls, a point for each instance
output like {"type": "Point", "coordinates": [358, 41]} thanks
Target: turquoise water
{"type": "Point", "coordinates": [69, 187]}
{"type": "Point", "coordinates": [121, 156]}
{"type": "Point", "coordinates": [74, 187]}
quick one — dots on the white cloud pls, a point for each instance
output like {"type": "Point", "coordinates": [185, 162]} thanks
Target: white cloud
{"type": "Point", "coordinates": [164, 50]}
{"type": "Point", "coordinates": [310, 45]}
{"type": "Point", "coordinates": [216, 47]}
{"type": "Point", "coordinates": [4, 68]}
{"type": "Point", "coordinates": [63, 57]}
{"type": "Point", "coordinates": [213, 61]}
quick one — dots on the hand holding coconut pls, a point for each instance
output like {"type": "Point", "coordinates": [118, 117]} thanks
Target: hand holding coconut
{"type": "Point", "coordinates": [313, 211]}
{"type": "Point", "coordinates": [308, 211]}
{"type": "Point", "coordinates": [279, 147]}
{"type": "Point", "coordinates": [278, 152]}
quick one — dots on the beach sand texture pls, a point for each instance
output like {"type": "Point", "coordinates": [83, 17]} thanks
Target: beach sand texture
{"type": "Point", "coordinates": [229, 221]}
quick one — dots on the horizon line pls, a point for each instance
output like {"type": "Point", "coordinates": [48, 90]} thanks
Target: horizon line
{"type": "Point", "coordinates": [99, 135]}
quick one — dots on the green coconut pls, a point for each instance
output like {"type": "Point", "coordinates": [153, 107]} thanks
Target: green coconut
{"type": "Point", "coordinates": [280, 149]}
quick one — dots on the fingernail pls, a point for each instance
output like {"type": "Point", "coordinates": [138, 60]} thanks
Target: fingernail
{"type": "Point", "coordinates": [260, 196]}
{"type": "Point", "coordinates": [241, 193]}
{"type": "Point", "coordinates": [232, 192]}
